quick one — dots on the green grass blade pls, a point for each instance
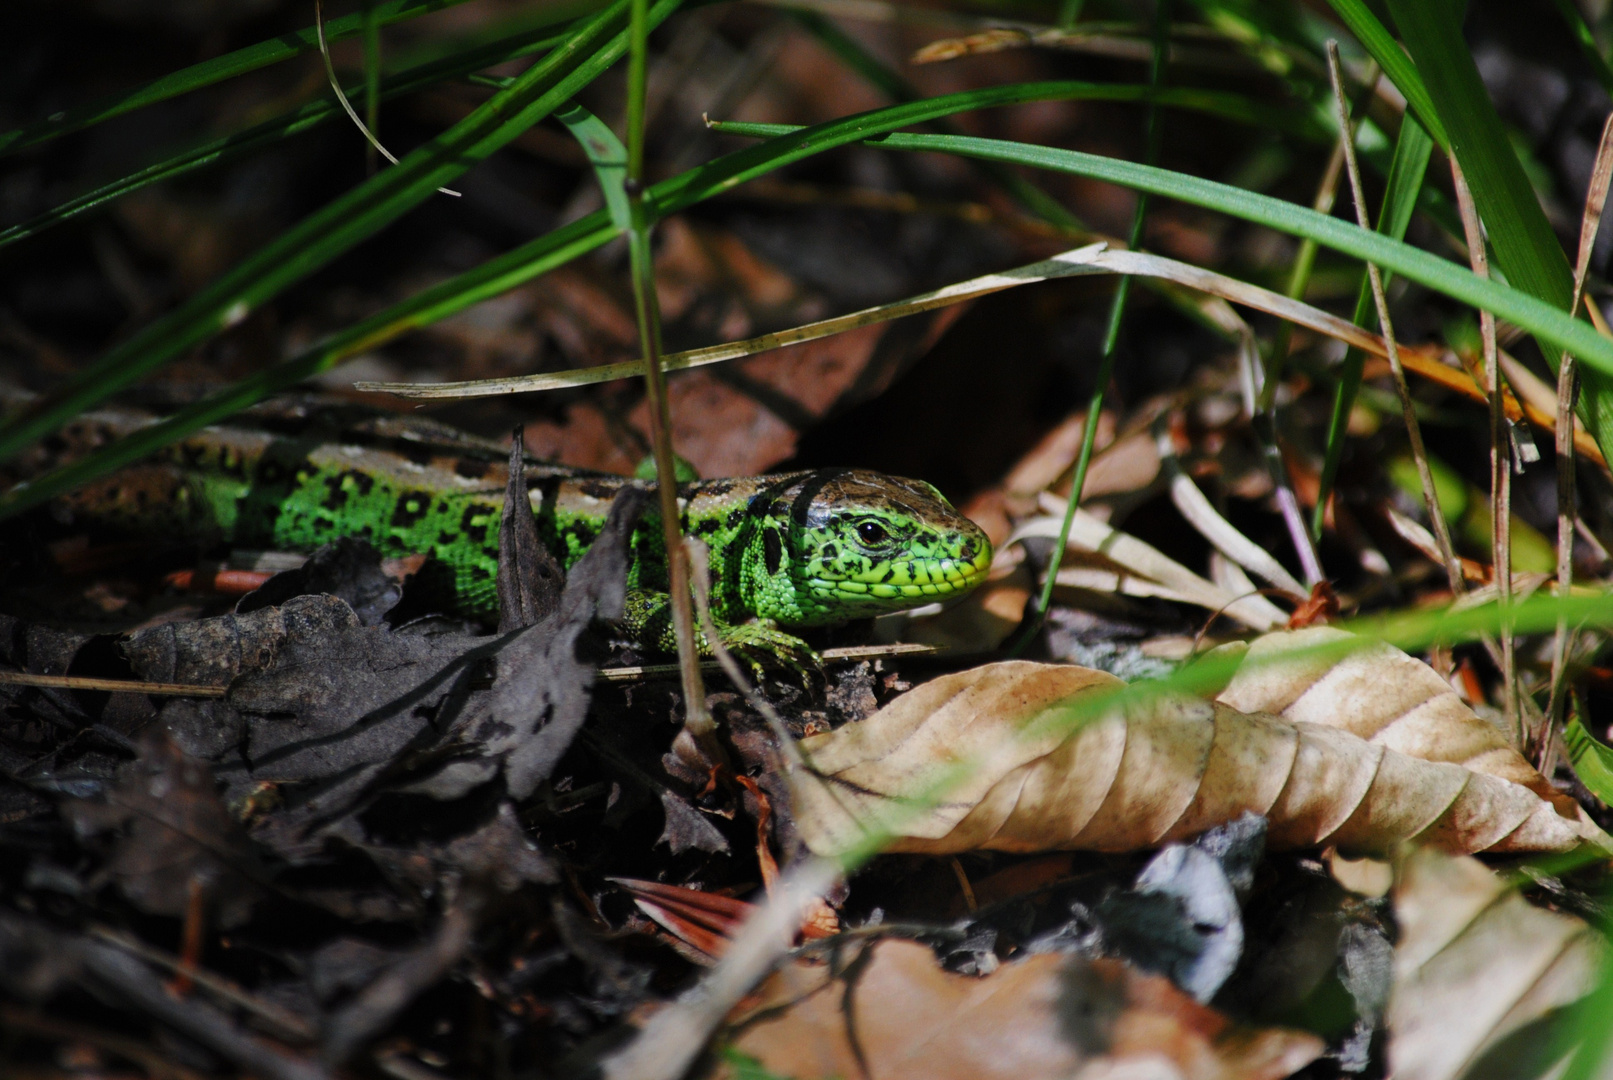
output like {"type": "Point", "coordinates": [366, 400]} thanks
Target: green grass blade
{"type": "Point", "coordinates": [293, 122]}
{"type": "Point", "coordinates": [484, 282]}
{"type": "Point", "coordinates": [1587, 43]}
{"type": "Point", "coordinates": [372, 76]}
{"type": "Point", "coordinates": [1413, 149]}
{"type": "Point", "coordinates": [1592, 760]}
{"type": "Point", "coordinates": [1533, 315]}
{"type": "Point", "coordinates": [341, 224]}
{"type": "Point", "coordinates": [211, 71]}
{"type": "Point", "coordinates": [1526, 249]}
{"type": "Point", "coordinates": [543, 254]}
{"type": "Point", "coordinates": [790, 144]}
{"type": "Point", "coordinates": [1382, 46]}
{"type": "Point", "coordinates": [606, 154]}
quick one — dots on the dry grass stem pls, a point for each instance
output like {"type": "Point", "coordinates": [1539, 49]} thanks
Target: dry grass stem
{"type": "Point", "coordinates": [1567, 391]}
{"type": "Point", "coordinates": [1500, 452]}
{"type": "Point", "coordinates": [1414, 434]}
{"type": "Point", "coordinates": [341, 95]}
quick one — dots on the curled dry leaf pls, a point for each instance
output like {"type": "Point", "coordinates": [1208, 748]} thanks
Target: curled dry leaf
{"type": "Point", "coordinates": [1025, 757]}
{"type": "Point", "coordinates": [1379, 693]}
{"type": "Point", "coordinates": [1477, 963]}
{"type": "Point", "coordinates": [894, 1013]}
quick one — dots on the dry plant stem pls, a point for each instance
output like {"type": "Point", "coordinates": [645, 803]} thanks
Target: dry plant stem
{"type": "Point", "coordinates": [341, 95]}
{"type": "Point", "coordinates": [1500, 455]}
{"type": "Point", "coordinates": [1567, 391]}
{"type": "Point", "coordinates": [697, 723]}
{"type": "Point", "coordinates": [116, 686]}
{"type": "Point", "coordinates": [1414, 433]}
{"type": "Point", "coordinates": [700, 579]}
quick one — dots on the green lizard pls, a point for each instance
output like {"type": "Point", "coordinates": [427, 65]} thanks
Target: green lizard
{"type": "Point", "coordinates": [794, 550]}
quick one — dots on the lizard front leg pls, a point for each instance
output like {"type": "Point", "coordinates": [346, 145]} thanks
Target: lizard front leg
{"type": "Point", "coordinates": [647, 621]}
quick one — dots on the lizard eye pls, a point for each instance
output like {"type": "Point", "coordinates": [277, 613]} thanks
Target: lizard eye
{"type": "Point", "coordinates": [872, 533]}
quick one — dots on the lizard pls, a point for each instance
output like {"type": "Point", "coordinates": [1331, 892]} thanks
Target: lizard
{"type": "Point", "coordinates": [787, 551]}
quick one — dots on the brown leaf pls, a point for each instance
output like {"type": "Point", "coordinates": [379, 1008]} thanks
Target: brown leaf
{"type": "Point", "coordinates": [175, 835]}
{"type": "Point", "coordinates": [1017, 766]}
{"type": "Point", "coordinates": [1378, 693]}
{"type": "Point", "coordinates": [1476, 963]}
{"type": "Point", "coordinates": [893, 1012]}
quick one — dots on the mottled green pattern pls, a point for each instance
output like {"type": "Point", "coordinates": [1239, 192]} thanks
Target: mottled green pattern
{"type": "Point", "coordinates": [800, 549]}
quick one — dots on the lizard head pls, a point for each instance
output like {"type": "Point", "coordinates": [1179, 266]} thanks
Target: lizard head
{"type": "Point", "coordinates": [861, 543]}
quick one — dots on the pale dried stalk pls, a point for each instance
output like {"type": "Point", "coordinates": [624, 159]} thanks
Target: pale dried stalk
{"type": "Point", "coordinates": [341, 95]}
{"type": "Point", "coordinates": [1414, 433]}
{"type": "Point", "coordinates": [1500, 455]}
{"type": "Point", "coordinates": [1197, 509]}
{"type": "Point", "coordinates": [1567, 391]}
{"type": "Point", "coordinates": [700, 581]}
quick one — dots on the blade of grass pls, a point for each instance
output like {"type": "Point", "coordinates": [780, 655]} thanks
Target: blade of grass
{"type": "Point", "coordinates": [1500, 456]}
{"type": "Point", "coordinates": [1413, 148]}
{"type": "Point", "coordinates": [1381, 45]}
{"type": "Point", "coordinates": [372, 77]}
{"type": "Point", "coordinates": [216, 70]}
{"type": "Point", "coordinates": [344, 222]}
{"type": "Point", "coordinates": [1587, 43]}
{"type": "Point", "coordinates": [1152, 128]}
{"type": "Point", "coordinates": [1091, 259]}
{"type": "Point", "coordinates": [606, 155]}
{"type": "Point", "coordinates": [293, 122]}
{"type": "Point", "coordinates": [509, 270]}
{"type": "Point", "coordinates": [789, 144]}
{"type": "Point", "coordinates": [1526, 248]}
{"type": "Point", "coordinates": [1533, 315]}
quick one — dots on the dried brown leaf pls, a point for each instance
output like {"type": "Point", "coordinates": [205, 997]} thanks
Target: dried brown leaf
{"type": "Point", "coordinates": [1476, 963]}
{"type": "Point", "coordinates": [174, 835]}
{"type": "Point", "coordinates": [1007, 757]}
{"type": "Point", "coordinates": [1380, 694]}
{"type": "Point", "coordinates": [893, 1012]}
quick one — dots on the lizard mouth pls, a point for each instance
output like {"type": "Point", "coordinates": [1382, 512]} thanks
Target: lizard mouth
{"type": "Point", "coordinates": [905, 582]}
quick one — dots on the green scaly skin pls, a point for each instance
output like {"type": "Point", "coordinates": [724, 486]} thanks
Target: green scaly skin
{"type": "Point", "coordinates": [792, 550]}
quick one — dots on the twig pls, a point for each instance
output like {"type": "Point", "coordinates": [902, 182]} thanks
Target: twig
{"type": "Point", "coordinates": [116, 686]}
{"type": "Point", "coordinates": [1500, 455]}
{"type": "Point", "coordinates": [1567, 391]}
{"type": "Point", "coordinates": [288, 1024]}
{"type": "Point", "coordinates": [697, 722]}
{"type": "Point", "coordinates": [700, 579]}
{"type": "Point", "coordinates": [712, 667]}
{"type": "Point", "coordinates": [1414, 433]}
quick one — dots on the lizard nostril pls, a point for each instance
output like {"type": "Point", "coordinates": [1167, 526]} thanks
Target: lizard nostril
{"type": "Point", "coordinates": [967, 552]}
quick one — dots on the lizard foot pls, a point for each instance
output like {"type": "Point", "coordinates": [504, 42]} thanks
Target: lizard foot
{"type": "Point", "coordinates": [759, 641]}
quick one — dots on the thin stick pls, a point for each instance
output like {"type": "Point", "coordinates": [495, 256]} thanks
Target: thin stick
{"type": "Point", "coordinates": [1500, 455]}
{"type": "Point", "coordinates": [700, 579]}
{"type": "Point", "coordinates": [697, 722]}
{"type": "Point", "coordinates": [712, 667]}
{"type": "Point", "coordinates": [116, 686]}
{"type": "Point", "coordinates": [1414, 432]}
{"type": "Point", "coordinates": [1567, 391]}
